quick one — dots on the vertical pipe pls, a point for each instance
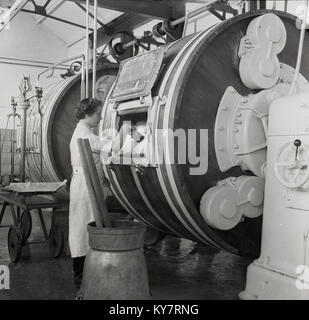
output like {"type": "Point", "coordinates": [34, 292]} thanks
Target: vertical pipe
{"type": "Point", "coordinates": [252, 5]}
{"type": "Point", "coordinates": [24, 108]}
{"type": "Point", "coordinates": [286, 5]}
{"type": "Point", "coordinates": [0, 158]}
{"type": "Point", "coordinates": [300, 48]}
{"type": "Point", "coordinates": [262, 4]}
{"type": "Point", "coordinates": [13, 148]}
{"type": "Point", "coordinates": [94, 57]}
{"type": "Point", "coordinates": [87, 49]}
{"type": "Point", "coordinates": [82, 86]}
{"type": "Point", "coordinates": [41, 143]}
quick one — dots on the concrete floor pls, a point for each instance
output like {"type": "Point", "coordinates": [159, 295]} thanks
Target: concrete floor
{"type": "Point", "coordinates": [178, 269]}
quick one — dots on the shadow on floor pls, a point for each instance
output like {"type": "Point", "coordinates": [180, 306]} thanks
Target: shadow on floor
{"type": "Point", "coordinates": [178, 269]}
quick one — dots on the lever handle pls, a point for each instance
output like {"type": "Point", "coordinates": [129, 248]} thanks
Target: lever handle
{"type": "Point", "coordinates": [297, 144]}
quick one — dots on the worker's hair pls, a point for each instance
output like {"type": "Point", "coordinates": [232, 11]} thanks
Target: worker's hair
{"type": "Point", "coordinates": [87, 106]}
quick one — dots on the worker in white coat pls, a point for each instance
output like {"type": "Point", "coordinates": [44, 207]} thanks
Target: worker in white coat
{"type": "Point", "coordinates": [88, 115]}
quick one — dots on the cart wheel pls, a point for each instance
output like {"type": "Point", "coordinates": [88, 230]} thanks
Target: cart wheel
{"type": "Point", "coordinates": [56, 242]}
{"type": "Point", "coordinates": [26, 225]}
{"type": "Point", "coordinates": [153, 237]}
{"type": "Point", "coordinates": [14, 244]}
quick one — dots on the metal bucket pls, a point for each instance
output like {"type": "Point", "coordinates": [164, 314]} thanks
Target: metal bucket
{"type": "Point", "coordinates": [115, 265]}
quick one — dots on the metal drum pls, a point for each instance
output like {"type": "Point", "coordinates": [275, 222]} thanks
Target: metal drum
{"type": "Point", "coordinates": [58, 107]}
{"type": "Point", "coordinates": [193, 77]}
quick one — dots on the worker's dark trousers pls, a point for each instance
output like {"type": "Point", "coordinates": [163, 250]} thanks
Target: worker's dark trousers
{"type": "Point", "coordinates": [78, 268]}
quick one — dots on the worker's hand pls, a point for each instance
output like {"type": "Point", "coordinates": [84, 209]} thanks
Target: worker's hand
{"type": "Point", "coordinates": [126, 128]}
{"type": "Point", "coordinates": [138, 137]}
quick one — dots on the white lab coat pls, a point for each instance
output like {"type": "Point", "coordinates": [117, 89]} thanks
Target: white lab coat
{"type": "Point", "coordinates": [81, 213]}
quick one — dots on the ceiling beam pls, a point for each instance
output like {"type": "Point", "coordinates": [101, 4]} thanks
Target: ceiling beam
{"type": "Point", "coordinates": [52, 8]}
{"type": "Point", "coordinates": [155, 9]}
{"type": "Point", "coordinates": [56, 18]}
{"type": "Point", "coordinates": [90, 14]}
{"type": "Point", "coordinates": [11, 13]}
{"type": "Point", "coordinates": [216, 14]}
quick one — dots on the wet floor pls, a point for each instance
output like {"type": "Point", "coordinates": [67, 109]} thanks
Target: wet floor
{"type": "Point", "coordinates": [178, 269]}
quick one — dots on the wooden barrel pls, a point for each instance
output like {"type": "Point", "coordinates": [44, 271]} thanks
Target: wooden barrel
{"type": "Point", "coordinates": [58, 107]}
{"type": "Point", "coordinates": [195, 73]}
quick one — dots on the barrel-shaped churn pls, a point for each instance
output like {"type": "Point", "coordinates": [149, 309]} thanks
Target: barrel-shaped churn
{"type": "Point", "coordinates": [58, 123]}
{"type": "Point", "coordinates": [190, 83]}
{"type": "Point", "coordinates": [115, 266]}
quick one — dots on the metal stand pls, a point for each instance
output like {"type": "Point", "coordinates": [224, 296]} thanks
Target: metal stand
{"type": "Point", "coordinates": [22, 172]}
{"type": "Point", "coordinates": [25, 87]}
{"type": "Point", "coordinates": [13, 138]}
{"type": "Point", "coordinates": [12, 116]}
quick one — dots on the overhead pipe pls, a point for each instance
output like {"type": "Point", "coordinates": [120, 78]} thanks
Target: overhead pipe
{"type": "Point", "coordinates": [195, 12]}
{"type": "Point", "coordinates": [81, 56]}
{"type": "Point", "coordinates": [29, 65]}
{"type": "Point", "coordinates": [27, 60]}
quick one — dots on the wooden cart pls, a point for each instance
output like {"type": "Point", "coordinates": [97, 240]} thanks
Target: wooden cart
{"type": "Point", "coordinates": [21, 202]}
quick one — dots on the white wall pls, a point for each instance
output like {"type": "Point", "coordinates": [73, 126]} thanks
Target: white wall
{"type": "Point", "coordinates": [25, 40]}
